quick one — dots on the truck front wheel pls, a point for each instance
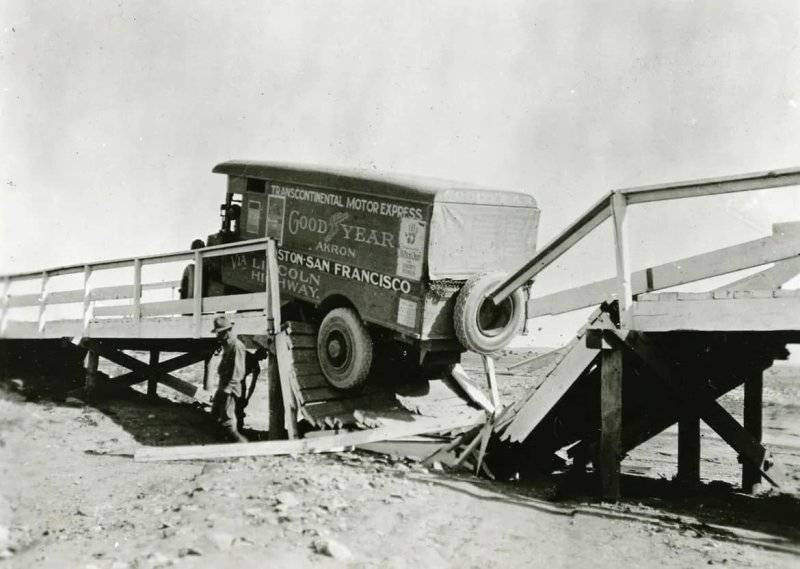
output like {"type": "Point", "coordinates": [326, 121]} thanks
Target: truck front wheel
{"type": "Point", "coordinates": [344, 348]}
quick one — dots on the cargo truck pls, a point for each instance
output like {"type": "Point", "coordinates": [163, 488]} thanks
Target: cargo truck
{"type": "Point", "coordinates": [391, 269]}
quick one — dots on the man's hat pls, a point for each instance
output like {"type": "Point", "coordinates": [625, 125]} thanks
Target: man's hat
{"type": "Point", "coordinates": [221, 323]}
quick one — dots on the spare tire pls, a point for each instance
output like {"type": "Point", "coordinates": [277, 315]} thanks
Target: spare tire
{"type": "Point", "coordinates": [344, 349]}
{"type": "Point", "coordinates": [480, 325]}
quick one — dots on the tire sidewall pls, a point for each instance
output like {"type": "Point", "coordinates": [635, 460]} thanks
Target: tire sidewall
{"type": "Point", "coordinates": [347, 323]}
{"type": "Point", "coordinates": [465, 315]}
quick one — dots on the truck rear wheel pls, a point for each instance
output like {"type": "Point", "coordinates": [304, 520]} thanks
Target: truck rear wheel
{"type": "Point", "coordinates": [344, 348]}
{"type": "Point", "coordinates": [481, 326]}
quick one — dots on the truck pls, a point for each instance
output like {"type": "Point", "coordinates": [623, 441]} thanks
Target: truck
{"type": "Point", "coordinates": [390, 270]}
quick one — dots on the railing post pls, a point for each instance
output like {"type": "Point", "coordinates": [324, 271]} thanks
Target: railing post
{"type": "Point", "coordinates": [87, 299]}
{"type": "Point", "coordinates": [43, 302]}
{"type": "Point", "coordinates": [198, 293]}
{"type": "Point", "coordinates": [4, 305]}
{"type": "Point", "coordinates": [137, 289]}
{"type": "Point", "coordinates": [619, 208]}
{"type": "Point", "coordinates": [273, 286]}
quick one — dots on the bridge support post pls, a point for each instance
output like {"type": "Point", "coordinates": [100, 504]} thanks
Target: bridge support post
{"type": "Point", "coordinates": [753, 396]}
{"type": "Point", "coordinates": [152, 380]}
{"type": "Point", "coordinates": [206, 371]}
{"type": "Point", "coordinates": [277, 429]}
{"type": "Point", "coordinates": [689, 449]}
{"type": "Point", "coordinates": [90, 365]}
{"type": "Point", "coordinates": [608, 461]}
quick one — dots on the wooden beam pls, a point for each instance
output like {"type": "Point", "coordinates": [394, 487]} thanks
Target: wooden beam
{"type": "Point", "coordinates": [132, 363]}
{"type": "Point", "coordinates": [491, 377]}
{"type": "Point", "coordinates": [43, 301]}
{"type": "Point", "coordinates": [418, 426]}
{"type": "Point", "coordinates": [768, 279]}
{"type": "Point", "coordinates": [608, 461]}
{"type": "Point", "coordinates": [555, 385]}
{"type": "Point", "coordinates": [159, 371]}
{"type": "Point", "coordinates": [689, 449]}
{"type": "Point", "coordinates": [784, 243]}
{"type": "Point", "coordinates": [714, 186]}
{"type": "Point", "coordinates": [753, 398]}
{"type": "Point", "coordinates": [622, 255]}
{"type": "Point", "coordinates": [137, 289]}
{"type": "Point", "coordinates": [4, 296]}
{"type": "Point", "coordinates": [718, 315]}
{"type": "Point", "coordinates": [705, 405]}
{"type": "Point", "coordinates": [90, 364]}
{"type": "Point", "coordinates": [152, 380]}
{"type": "Point", "coordinates": [477, 396]}
{"type": "Point", "coordinates": [277, 418]}
{"type": "Point", "coordinates": [198, 294]}
{"type": "Point", "coordinates": [576, 231]}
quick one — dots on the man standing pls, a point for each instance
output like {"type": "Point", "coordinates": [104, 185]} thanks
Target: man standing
{"type": "Point", "coordinates": [229, 397]}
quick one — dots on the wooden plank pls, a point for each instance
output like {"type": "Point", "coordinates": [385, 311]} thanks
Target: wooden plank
{"type": "Point", "coordinates": [302, 342]}
{"type": "Point", "coordinates": [304, 356]}
{"type": "Point", "coordinates": [309, 368]}
{"type": "Point", "coordinates": [550, 392]}
{"type": "Point", "coordinates": [137, 289]}
{"type": "Point", "coordinates": [718, 315]}
{"type": "Point", "coordinates": [419, 426]}
{"type": "Point", "coordinates": [18, 300]}
{"type": "Point", "coordinates": [162, 367]}
{"type": "Point", "coordinates": [277, 419]}
{"type": "Point", "coordinates": [134, 364]}
{"type": "Point", "coordinates": [714, 186]}
{"type": "Point", "coordinates": [321, 393]}
{"type": "Point", "coordinates": [768, 279]}
{"type": "Point", "coordinates": [784, 243]}
{"type": "Point", "coordinates": [476, 395]}
{"type": "Point", "coordinates": [753, 401]}
{"type": "Point", "coordinates": [689, 448]}
{"type": "Point", "coordinates": [576, 231]}
{"type": "Point", "coordinates": [294, 327]}
{"type": "Point", "coordinates": [4, 298]}
{"type": "Point", "coordinates": [152, 380]}
{"type": "Point", "coordinates": [312, 381]}
{"type": "Point", "coordinates": [289, 387]}
{"type": "Point", "coordinates": [43, 301]}
{"type": "Point", "coordinates": [689, 296]}
{"type": "Point", "coordinates": [622, 255]}
{"type": "Point", "coordinates": [610, 422]}
{"type": "Point", "coordinates": [491, 377]}
{"type": "Point", "coordinates": [249, 301]}
{"type": "Point", "coordinates": [197, 294]}
{"type": "Point", "coordinates": [752, 294]}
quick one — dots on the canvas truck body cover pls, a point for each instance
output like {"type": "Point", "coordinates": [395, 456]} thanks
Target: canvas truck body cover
{"type": "Point", "coordinates": [376, 240]}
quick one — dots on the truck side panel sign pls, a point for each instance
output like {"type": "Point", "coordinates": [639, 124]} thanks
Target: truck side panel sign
{"type": "Point", "coordinates": [366, 248]}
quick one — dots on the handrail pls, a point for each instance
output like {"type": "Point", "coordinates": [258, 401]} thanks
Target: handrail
{"type": "Point", "coordinates": [610, 205]}
{"type": "Point", "coordinates": [212, 251]}
{"type": "Point", "coordinates": [87, 295]}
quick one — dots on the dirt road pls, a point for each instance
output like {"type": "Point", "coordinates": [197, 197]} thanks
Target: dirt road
{"type": "Point", "coordinates": [73, 497]}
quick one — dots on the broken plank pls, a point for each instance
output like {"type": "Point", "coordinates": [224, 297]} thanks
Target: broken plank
{"type": "Point", "coordinates": [296, 446]}
{"type": "Point", "coordinates": [550, 392]}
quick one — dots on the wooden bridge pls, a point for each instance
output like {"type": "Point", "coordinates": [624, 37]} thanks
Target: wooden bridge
{"type": "Point", "coordinates": [647, 360]}
{"type": "Point", "coordinates": [644, 361]}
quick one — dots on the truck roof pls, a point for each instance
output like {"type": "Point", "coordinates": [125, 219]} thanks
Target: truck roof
{"type": "Point", "coordinates": [395, 186]}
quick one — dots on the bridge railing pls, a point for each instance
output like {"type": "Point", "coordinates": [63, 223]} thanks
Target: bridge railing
{"type": "Point", "coordinates": [136, 309]}
{"type": "Point", "coordinates": [627, 284]}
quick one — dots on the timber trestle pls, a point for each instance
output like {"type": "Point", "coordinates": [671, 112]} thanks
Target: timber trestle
{"type": "Point", "coordinates": [647, 360]}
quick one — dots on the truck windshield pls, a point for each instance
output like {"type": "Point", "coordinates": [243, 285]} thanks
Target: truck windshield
{"type": "Point", "coordinates": [467, 239]}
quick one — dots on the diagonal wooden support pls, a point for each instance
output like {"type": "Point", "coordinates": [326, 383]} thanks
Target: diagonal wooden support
{"type": "Point", "coordinates": [142, 368]}
{"type": "Point", "coordinates": [701, 402]}
{"type": "Point", "coordinates": [158, 370]}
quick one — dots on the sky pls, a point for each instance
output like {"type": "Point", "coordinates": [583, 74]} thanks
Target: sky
{"type": "Point", "coordinates": [112, 114]}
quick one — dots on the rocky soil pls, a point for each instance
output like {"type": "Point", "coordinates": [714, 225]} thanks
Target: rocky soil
{"type": "Point", "coordinates": [71, 496]}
